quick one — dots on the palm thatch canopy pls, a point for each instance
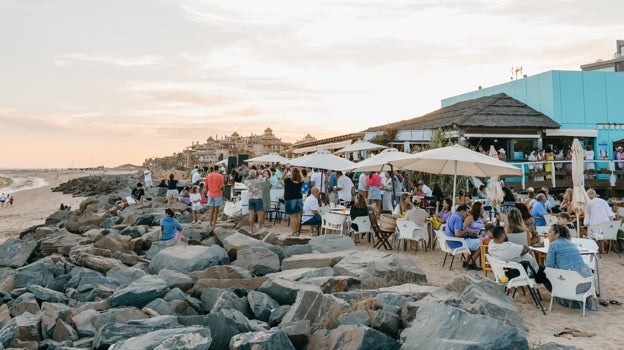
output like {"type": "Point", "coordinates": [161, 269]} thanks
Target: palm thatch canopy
{"type": "Point", "coordinates": [492, 112]}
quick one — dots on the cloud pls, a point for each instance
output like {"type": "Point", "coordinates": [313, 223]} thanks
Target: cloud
{"type": "Point", "coordinates": [118, 60]}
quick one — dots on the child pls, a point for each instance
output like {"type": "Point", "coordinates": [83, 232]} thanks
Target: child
{"type": "Point", "coordinates": [196, 205]}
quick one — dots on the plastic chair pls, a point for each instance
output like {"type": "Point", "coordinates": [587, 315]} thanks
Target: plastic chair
{"type": "Point", "coordinates": [522, 238]}
{"type": "Point", "coordinates": [332, 222]}
{"type": "Point", "coordinates": [606, 231]}
{"type": "Point", "coordinates": [409, 231]}
{"type": "Point", "coordinates": [523, 279]}
{"type": "Point", "coordinates": [444, 240]}
{"type": "Point", "coordinates": [564, 283]}
{"type": "Point", "coordinates": [550, 219]}
{"type": "Point", "coordinates": [363, 226]}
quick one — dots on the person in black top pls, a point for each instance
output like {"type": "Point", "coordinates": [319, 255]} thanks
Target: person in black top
{"type": "Point", "coordinates": [292, 198]}
{"type": "Point", "coordinates": [172, 190]}
{"type": "Point", "coordinates": [360, 208]}
{"type": "Point", "coordinates": [138, 192]}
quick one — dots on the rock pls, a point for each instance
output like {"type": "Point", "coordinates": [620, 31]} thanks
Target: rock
{"type": "Point", "coordinates": [221, 272]}
{"type": "Point", "coordinates": [320, 309]}
{"type": "Point", "coordinates": [93, 258]}
{"type": "Point", "coordinates": [298, 332]}
{"type": "Point", "coordinates": [391, 302]}
{"type": "Point", "coordinates": [24, 303]}
{"type": "Point", "coordinates": [8, 333]}
{"type": "Point", "coordinates": [274, 339]}
{"type": "Point", "coordinates": [125, 275]}
{"type": "Point", "coordinates": [50, 313]}
{"type": "Point", "coordinates": [555, 346]}
{"type": "Point", "coordinates": [28, 327]}
{"type": "Point", "coordinates": [189, 338]}
{"type": "Point", "coordinates": [224, 325]}
{"type": "Point", "coordinates": [297, 249]}
{"type": "Point", "coordinates": [303, 273]}
{"type": "Point", "coordinates": [188, 258]}
{"type": "Point", "coordinates": [360, 317]}
{"type": "Point", "coordinates": [83, 324]}
{"type": "Point", "coordinates": [113, 242]}
{"type": "Point", "coordinates": [15, 252]}
{"type": "Point", "coordinates": [6, 279]}
{"type": "Point", "coordinates": [78, 222]}
{"type": "Point", "coordinates": [117, 315]}
{"type": "Point", "coordinates": [315, 260]}
{"type": "Point", "coordinates": [393, 270]}
{"type": "Point", "coordinates": [331, 243]}
{"type": "Point", "coordinates": [57, 217]}
{"type": "Point", "coordinates": [251, 284]}
{"type": "Point", "coordinates": [261, 305]}
{"type": "Point", "coordinates": [233, 299]}
{"type": "Point", "coordinates": [175, 279]}
{"type": "Point", "coordinates": [139, 293]}
{"type": "Point", "coordinates": [45, 294]}
{"type": "Point", "coordinates": [284, 241]}
{"type": "Point", "coordinates": [233, 241]}
{"type": "Point", "coordinates": [41, 232]}
{"type": "Point", "coordinates": [333, 284]}
{"type": "Point", "coordinates": [356, 263]}
{"type": "Point", "coordinates": [387, 322]}
{"type": "Point", "coordinates": [358, 337]}
{"type": "Point", "coordinates": [440, 326]}
{"type": "Point", "coordinates": [157, 246]}
{"type": "Point", "coordinates": [277, 315]}
{"type": "Point", "coordinates": [177, 294]}
{"type": "Point", "coordinates": [158, 307]}
{"type": "Point", "coordinates": [5, 315]}
{"type": "Point", "coordinates": [114, 332]}
{"type": "Point", "coordinates": [42, 273]}
{"type": "Point", "coordinates": [284, 291]}
{"type": "Point", "coordinates": [61, 242]}
{"type": "Point", "coordinates": [257, 260]}
{"type": "Point", "coordinates": [209, 297]}
{"type": "Point", "coordinates": [63, 331]}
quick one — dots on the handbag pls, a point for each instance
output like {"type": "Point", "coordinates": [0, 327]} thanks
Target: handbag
{"type": "Point", "coordinates": [387, 222]}
{"type": "Point", "coordinates": [435, 223]}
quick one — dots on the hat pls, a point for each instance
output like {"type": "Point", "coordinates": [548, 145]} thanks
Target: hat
{"type": "Point", "coordinates": [531, 189]}
{"type": "Point", "coordinates": [501, 151]}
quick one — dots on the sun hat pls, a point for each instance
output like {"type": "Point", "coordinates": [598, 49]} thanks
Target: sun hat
{"type": "Point", "coordinates": [501, 150]}
{"type": "Point", "coordinates": [531, 189]}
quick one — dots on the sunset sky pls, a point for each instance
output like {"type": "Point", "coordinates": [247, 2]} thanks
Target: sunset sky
{"type": "Point", "coordinates": [108, 82]}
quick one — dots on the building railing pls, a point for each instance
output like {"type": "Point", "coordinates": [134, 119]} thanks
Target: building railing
{"type": "Point", "coordinates": [558, 173]}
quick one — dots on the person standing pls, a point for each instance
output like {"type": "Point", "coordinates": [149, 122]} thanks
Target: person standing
{"type": "Point", "coordinates": [293, 204]}
{"type": "Point", "coordinates": [196, 205]}
{"type": "Point", "coordinates": [214, 184]}
{"type": "Point", "coordinates": [172, 190]}
{"type": "Point", "coordinates": [345, 188]}
{"type": "Point", "coordinates": [147, 176]}
{"type": "Point", "coordinates": [597, 211]}
{"type": "Point", "coordinates": [3, 199]}
{"type": "Point", "coordinates": [266, 190]}
{"type": "Point", "coordinates": [373, 181]}
{"type": "Point", "coordinates": [195, 175]}
{"type": "Point", "coordinates": [620, 158]}
{"type": "Point", "coordinates": [256, 205]}
{"type": "Point", "coordinates": [362, 187]}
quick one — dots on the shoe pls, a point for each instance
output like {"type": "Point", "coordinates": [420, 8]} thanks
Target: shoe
{"type": "Point", "coordinates": [603, 302]}
{"type": "Point", "coordinates": [473, 266]}
{"type": "Point", "coordinates": [464, 264]}
{"type": "Point", "coordinates": [614, 302]}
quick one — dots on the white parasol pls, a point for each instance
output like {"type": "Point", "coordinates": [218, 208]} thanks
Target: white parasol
{"type": "Point", "coordinates": [360, 146]}
{"type": "Point", "coordinates": [269, 158]}
{"type": "Point", "coordinates": [377, 162]}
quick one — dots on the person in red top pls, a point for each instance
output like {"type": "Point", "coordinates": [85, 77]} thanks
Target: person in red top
{"type": "Point", "coordinates": [373, 181]}
{"type": "Point", "coordinates": [214, 185]}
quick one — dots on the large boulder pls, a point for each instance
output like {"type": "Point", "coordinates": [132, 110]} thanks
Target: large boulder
{"type": "Point", "coordinates": [261, 305]}
{"type": "Point", "coordinates": [318, 308]}
{"type": "Point", "coordinates": [188, 338]}
{"type": "Point", "coordinates": [94, 258]}
{"type": "Point", "coordinates": [187, 259]}
{"type": "Point", "coordinates": [113, 242]}
{"type": "Point", "coordinates": [393, 270]}
{"type": "Point", "coordinates": [284, 291]}
{"type": "Point", "coordinates": [258, 260]}
{"type": "Point", "coordinates": [114, 332]}
{"type": "Point", "coordinates": [331, 243]}
{"type": "Point", "coordinates": [139, 293]}
{"type": "Point", "coordinates": [315, 260]}
{"type": "Point", "coordinates": [441, 326]}
{"type": "Point", "coordinates": [274, 339]}
{"type": "Point", "coordinates": [233, 241]}
{"type": "Point", "coordinates": [15, 252]}
{"type": "Point", "coordinates": [43, 272]}
{"type": "Point", "coordinates": [358, 337]}
{"type": "Point", "coordinates": [355, 264]}
{"type": "Point", "coordinates": [61, 242]}
{"type": "Point", "coordinates": [224, 325]}
{"type": "Point", "coordinates": [82, 222]}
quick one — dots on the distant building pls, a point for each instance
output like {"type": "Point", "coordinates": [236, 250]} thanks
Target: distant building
{"type": "Point", "coordinates": [214, 150]}
{"type": "Point", "coordinates": [616, 64]}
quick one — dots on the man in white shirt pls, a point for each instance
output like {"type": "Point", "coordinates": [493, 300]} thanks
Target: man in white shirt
{"type": "Point", "coordinates": [147, 177]}
{"type": "Point", "coordinates": [597, 210]}
{"type": "Point", "coordinates": [311, 213]}
{"type": "Point", "coordinates": [195, 175]}
{"type": "Point", "coordinates": [502, 249]}
{"type": "Point", "coordinates": [362, 188]}
{"type": "Point", "coordinates": [345, 188]}
{"type": "Point", "coordinates": [426, 190]}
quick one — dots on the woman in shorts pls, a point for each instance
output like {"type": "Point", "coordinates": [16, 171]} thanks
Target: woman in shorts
{"type": "Point", "coordinates": [292, 198]}
{"type": "Point", "coordinates": [172, 190]}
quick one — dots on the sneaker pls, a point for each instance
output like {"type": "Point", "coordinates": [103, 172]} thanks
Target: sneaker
{"type": "Point", "coordinates": [464, 264]}
{"type": "Point", "coordinates": [473, 266]}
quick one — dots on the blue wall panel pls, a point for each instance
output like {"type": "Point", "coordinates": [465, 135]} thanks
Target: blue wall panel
{"type": "Point", "coordinates": [572, 98]}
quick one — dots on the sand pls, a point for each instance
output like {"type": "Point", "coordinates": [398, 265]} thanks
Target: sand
{"type": "Point", "coordinates": [33, 206]}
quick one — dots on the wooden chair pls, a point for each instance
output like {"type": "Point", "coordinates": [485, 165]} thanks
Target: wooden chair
{"type": "Point", "coordinates": [485, 265]}
{"type": "Point", "coordinates": [381, 236]}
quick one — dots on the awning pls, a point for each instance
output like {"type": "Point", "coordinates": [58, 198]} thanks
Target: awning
{"type": "Point", "coordinates": [328, 146]}
{"type": "Point", "coordinates": [572, 132]}
{"type": "Point", "coordinates": [503, 136]}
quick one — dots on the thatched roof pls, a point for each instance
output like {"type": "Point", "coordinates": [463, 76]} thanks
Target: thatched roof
{"type": "Point", "coordinates": [495, 111]}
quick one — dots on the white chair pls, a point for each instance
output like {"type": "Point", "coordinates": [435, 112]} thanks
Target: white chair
{"type": "Point", "coordinates": [564, 283]}
{"type": "Point", "coordinates": [332, 222]}
{"type": "Point", "coordinates": [408, 230]}
{"type": "Point", "coordinates": [589, 259]}
{"type": "Point", "coordinates": [523, 279]}
{"type": "Point", "coordinates": [606, 231]}
{"type": "Point", "coordinates": [363, 226]}
{"type": "Point", "coordinates": [444, 240]}
{"type": "Point", "coordinates": [550, 219]}
{"type": "Point", "coordinates": [542, 229]}
{"type": "Point", "coordinates": [521, 238]}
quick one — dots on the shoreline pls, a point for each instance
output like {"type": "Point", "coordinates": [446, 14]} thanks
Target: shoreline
{"type": "Point", "coordinates": [5, 182]}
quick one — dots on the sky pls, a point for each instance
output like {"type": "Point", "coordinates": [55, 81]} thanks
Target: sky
{"type": "Point", "coordinates": [108, 82]}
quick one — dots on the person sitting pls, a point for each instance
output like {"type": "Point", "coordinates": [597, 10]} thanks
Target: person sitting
{"type": "Point", "coordinates": [461, 198]}
{"type": "Point", "coordinates": [403, 206]}
{"type": "Point", "coordinates": [475, 221]}
{"type": "Point", "coordinates": [416, 213]}
{"type": "Point", "coordinates": [138, 193]}
{"type": "Point", "coordinates": [445, 212]}
{"type": "Point", "coordinates": [170, 227]}
{"type": "Point", "coordinates": [360, 208]}
{"type": "Point", "coordinates": [185, 196]}
{"type": "Point", "coordinates": [500, 248]}
{"type": "Point", "coordinates": [455, 228]}
{"type": "Point", "coordinates": [311, 214]}
{"type": "Point", "coordinates": [565, 255]}
{"type": "Point", "coordinates": [564, 219]}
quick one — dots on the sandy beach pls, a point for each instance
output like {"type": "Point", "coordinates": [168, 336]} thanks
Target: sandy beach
{"type": "Point", "coordinates": [32, 206]}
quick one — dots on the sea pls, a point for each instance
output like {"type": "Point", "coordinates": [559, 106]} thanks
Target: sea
{"type": "Point", "coordinates": [22, 182]}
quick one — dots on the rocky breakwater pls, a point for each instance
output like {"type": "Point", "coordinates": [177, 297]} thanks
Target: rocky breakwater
{"type": "Point", "coordinates": [113, 285]}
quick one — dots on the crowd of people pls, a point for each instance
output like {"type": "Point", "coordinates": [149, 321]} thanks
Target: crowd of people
{"type": "Point", "coordinates": [6, 200]}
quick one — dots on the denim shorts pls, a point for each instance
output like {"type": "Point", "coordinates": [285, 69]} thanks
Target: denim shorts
{"type": "Point", "coordinates": [215, 201]}
{"type": "Point", "coordinates": [293, 206]}
{"type": "Point", "coordinates": [256, 204]}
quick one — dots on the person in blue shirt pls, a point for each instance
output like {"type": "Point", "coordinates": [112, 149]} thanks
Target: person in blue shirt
{"type": "Point", "coordinates": [455, 228]}
{"type": "Point", "coordinates": [539, 210]}
{"type": "Point", "coordinates": [168, 225]}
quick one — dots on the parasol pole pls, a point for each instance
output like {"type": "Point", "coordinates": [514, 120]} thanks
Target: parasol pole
{"type": "Point", "coordinates": [454, 185]}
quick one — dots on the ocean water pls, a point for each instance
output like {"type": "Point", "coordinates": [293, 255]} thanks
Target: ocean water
{"type": "Point", "coordinates": [22, 182]}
